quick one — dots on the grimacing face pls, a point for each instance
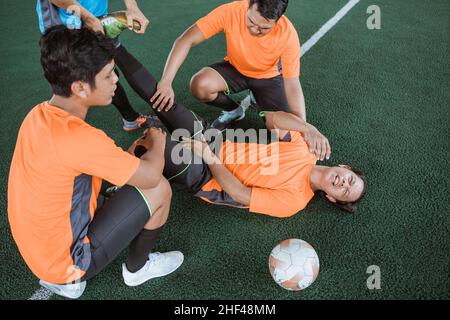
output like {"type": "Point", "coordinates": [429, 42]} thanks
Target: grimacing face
{"type": "Point", "coordinates": [257, 25]}
{"type": "Point", "coordinates": [342, 184]}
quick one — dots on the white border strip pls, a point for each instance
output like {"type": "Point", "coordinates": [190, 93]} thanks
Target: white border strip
{"type": "Point", "coordinates": [327, 26]}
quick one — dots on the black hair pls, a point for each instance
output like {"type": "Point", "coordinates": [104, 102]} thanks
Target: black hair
{"type": "Point", "coordinates": [69, 55]}
{"type": "Point", "coordinates": [349, 206]}
{"type": "Point", "coordinates": [270, 9]}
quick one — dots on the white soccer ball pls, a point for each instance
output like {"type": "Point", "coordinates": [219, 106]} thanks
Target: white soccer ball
{"type": "Point", "coordinates": [294, 264]}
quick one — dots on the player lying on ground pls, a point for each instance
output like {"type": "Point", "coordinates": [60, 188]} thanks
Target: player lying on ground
{"type": "Point", "coordinates": [280, 182]}
{"type": "Point", "coordinates": [56, 12]}
{"type": "Point", "coordinates": [280, 192]}
{"type": "Point", "coordinates": [263, 55]}
{"type": "Point", "coordinates": [64, 231]}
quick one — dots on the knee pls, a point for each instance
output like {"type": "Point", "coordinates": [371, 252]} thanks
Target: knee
{"type": "Point", "coordinates": [166, 190]}
{"type": "Point", "coordinates": [200, 86]}
{"type": "Point", "coordinates": [163, 194]}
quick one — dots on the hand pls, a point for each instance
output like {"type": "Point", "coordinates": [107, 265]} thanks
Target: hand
{"type": "Point", "coordinates": [317, 142]}
{"type": "Point", "coordinates": [200, 148]}
{"type": "Point", "coordinates": [136, 14]}
{"type": "Point", "coordinates": [155, 136]}
{"type": "Point", "coordinates": [94, 24]}
{"type": "Point", "coordinates": [163, 97]}
{"type": "Point", "coordinates": [152, 137]}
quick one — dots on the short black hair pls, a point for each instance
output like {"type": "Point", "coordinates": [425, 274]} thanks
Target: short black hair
{"type": "Point", "coordinates": [69, 55]}
{"type": "Point", "coordinates": [350, 206]}
{"type": "Point", "coordinates": [270, 9]}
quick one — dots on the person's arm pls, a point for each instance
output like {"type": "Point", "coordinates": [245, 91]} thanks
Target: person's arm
{"type": "Point", "coordinates": [230, 184]}
{"type": "Point", "coordinates": [88, 18]}
{"type": "Point", "coordinates": [295, 97]}
{"type": "Point", "coordinates": [164, 96]}
{"type": "Point", "coordinates": [317, 142]}
{"type": "Point", "coordinates": [134, 13]}
{"type": "Point", "coordinates": [149, 172]}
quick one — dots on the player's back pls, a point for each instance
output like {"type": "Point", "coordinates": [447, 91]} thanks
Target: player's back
{"type": "Point", "coordinates": [49, 203]}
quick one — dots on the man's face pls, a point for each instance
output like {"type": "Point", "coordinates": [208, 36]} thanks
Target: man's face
{"type": "Point", "coordinates": [105, 86]}
{"type": "Point", "coordinates": [342, 184]}
{"type": "Point", "coordinates": [257, 25]}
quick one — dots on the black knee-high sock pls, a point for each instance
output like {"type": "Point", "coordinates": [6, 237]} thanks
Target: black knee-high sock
{"type": "Point", "coordinates": [140, 248]}
{"type": "Point", "coordinates": [120, 101]}
{"type": "Point", "coordinates": [144, 84]}
{"type": "Point", "coordinates": [224, 102]}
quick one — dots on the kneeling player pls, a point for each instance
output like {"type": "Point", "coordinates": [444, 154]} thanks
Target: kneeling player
{"type": "Point", "coordinates": [65, 232]}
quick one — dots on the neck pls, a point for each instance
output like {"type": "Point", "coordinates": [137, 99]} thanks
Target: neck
{"type": "Point", "coordinates": [316, 177]}
{"type": "Point", "coordinates": [70, 105]}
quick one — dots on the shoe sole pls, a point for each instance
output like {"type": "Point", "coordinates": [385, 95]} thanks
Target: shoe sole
{"type": "Point", "coordinates": [53, 290]}
{"type": "Point", "coordinates": [129, 130]}
{"type": "Point", "coordinates": [134, 284]}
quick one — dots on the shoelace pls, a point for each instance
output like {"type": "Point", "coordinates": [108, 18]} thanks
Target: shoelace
{"type": "Point", "coordinates": [153, 258]}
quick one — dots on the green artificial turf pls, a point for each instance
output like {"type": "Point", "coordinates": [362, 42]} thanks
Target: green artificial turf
{"type": "Point", "coordinates": [380, 96]}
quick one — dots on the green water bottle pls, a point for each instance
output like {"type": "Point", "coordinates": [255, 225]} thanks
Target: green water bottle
{"type": "Point", "coordinates": [115, 22]}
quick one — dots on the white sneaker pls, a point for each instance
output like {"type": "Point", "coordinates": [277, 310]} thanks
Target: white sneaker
{"type": "Point", "coordinates": [228, 117]}
{"type": "Point", "coordinates": [70, 290]}
{"type": "Point", "coordinates": [248, 101]}
{"type": "Point", "coordinates": [158, 265]}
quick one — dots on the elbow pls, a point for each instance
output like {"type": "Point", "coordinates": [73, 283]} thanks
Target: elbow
{"type": "Point", "coordinates": [243, 197]}
{"type": "Point", "coordinates": [184, 41]}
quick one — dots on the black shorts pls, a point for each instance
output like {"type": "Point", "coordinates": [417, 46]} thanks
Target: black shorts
{"type": "Point", "coordinates": [116, 223]}
{"type": "Point", "coordinates": [189, 177]}
{"type": "Point", "coordinates": [269, 93]}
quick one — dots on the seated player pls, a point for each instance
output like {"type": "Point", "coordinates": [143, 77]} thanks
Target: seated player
{"type": "Point", "coordinates": [65, 231]}
{"type": "Point", "coordinates": [263, 55]}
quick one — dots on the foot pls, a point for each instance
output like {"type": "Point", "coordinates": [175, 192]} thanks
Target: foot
{"type": "Point", "coordinates": [158, 265]}
{"type": "Point", "coordinates": [228, 117]}
{"type": "Point", "coordinates": [248, 101]}
{"type": "Point", "coordinates": [71, 291]}
{"type": "Point", "coordinates": [140, 122]}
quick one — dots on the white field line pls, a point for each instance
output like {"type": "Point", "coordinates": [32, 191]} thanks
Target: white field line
{"type": "Point", "coordinates": [327, 26]}
{"type": "Point", "coordinates": [44, 294]}
{"type": "Point", "coordinates": [41, 294]}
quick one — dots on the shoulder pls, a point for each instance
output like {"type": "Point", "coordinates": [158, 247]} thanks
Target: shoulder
{"type": "Point", "coordinates": [287, 29]}
{"type": "Point", "coordinates": [80, 132]}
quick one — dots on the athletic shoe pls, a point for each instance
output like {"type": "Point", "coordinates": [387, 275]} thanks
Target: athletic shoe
{"type": "Point", "coordinates": [252, 101]}
{"type": "Point", "coordinates": [157, 265]}
{"type": "Point", "coordinates": [116, 22]}
{"type": "Point", "coordinates": [140, 122]}
{"type": "Point", "coordinates": [228, 117]}
{"type": "Point", "coordinates": [71, 290]}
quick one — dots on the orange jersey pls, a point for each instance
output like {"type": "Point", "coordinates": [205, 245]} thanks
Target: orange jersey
{"type": "Point", "coordinates": [278, 174]}
{"type": "Point", "coordinates": [55, 177]}
{"type": "Point", "coordinates": [254, 57]}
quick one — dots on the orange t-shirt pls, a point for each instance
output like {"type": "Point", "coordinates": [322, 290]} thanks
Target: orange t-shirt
{"type": "Point", "coordinates": [254, 57]}
{"type": "Point", "coordinates": [278, 174]}
{"type": "Point", "coordinates": [55, 177]}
